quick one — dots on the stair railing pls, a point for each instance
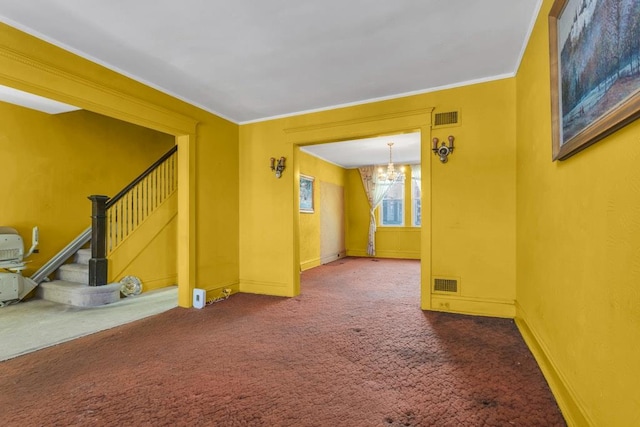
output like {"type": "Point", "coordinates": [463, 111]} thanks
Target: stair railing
{"type": "Point", "coordinates": [114, 219]}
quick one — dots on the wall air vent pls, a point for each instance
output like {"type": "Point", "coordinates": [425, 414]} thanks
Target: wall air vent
{"type": "Point", "coordinates": [446, 285]}
{"type": "Point", "coordinates": [448, 119]}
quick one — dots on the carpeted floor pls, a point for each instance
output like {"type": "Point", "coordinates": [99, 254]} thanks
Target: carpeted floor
{"type": "Point", "coordinates": [354, 349]}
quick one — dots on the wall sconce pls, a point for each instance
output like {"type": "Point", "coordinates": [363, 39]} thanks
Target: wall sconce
{"type": "Point", "coordinates": [277, 167]}
{"type": "Point", "coordinates": [443, 150]}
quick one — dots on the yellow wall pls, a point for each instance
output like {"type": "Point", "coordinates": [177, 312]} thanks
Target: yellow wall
{"type": "Point", "coordinates": [473, 203]}
{"type": "Point", "coordinates": [217, 201]}
{"type": "Point", "coordinates": [323, 172]}
{"type": "Point", "coordinates": [52, 163]}
{"type": "Point", "coordinates": [578, 252]}
{"type": "Point", "coordinates": [577, 229]}
{"type": "Point", "coordinates": [149, 252]}
{"type": "Point", "coordinates": [208, 153]}
{"type": "Point", "coordinates": [391, 242]}
{"type": "Point", "coordinates": [356, 215]}
{"type": "Point", "coordinates": [472, 197]}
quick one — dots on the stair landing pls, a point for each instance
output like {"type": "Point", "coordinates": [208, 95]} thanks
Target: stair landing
{"type": "Point", "coordinates": [79, 294]}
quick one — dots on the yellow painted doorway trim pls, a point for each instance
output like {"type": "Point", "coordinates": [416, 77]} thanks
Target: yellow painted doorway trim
{"type": "Point", "coordinates": [34, 66]}
{"type": "Point", "coordinates": [366, 126]}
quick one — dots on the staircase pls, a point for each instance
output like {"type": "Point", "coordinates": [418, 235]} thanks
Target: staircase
{"type": "Point", "coordinates": [71, 285]}
{"type": "Point", "coordinates": [84, 282]}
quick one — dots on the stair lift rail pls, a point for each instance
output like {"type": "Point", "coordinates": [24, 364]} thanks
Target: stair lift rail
{"type": "Point", "coordinates": [61, 257]}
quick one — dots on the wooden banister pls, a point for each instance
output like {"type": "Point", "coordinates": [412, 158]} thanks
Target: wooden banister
{"type": "Point", "coordinates": [113, 220]}
{"type": "Point", "coordinates": [142, 176]}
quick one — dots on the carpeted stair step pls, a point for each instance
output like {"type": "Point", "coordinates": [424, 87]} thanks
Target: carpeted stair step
{"type": "Point", "coordinates": [78, 294]}
{"type": "Point", "coordinates": [78, 273]}
{"type": "Point", "coordinates": [82, 256]}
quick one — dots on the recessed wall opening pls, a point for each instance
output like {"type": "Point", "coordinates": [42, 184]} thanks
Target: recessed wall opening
{"type": "Point", "coordinates": [108, 154]}
{"type": "Point", "coordinates": [335, 210]}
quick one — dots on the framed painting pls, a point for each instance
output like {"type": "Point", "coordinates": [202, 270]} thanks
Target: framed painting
{"type": "Point", "coordinates": [306, 193]}
{"type": "Point", "coordinates": [595, 70]}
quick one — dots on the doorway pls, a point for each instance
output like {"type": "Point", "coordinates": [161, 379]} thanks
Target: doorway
{"type": "Point", "coordinates": [342, 205]}
{"type": "Point", "coordinates": [37, 75]}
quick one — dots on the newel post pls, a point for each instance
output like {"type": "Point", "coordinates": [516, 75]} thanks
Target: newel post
{"type": "Point", "coordinates": [98, 261]}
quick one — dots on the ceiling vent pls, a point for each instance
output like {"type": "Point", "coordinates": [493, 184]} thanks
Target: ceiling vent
{"type": "Point", "coordinates": [448, 119]}
{"type": "Point", "coordinates": [446, 285]}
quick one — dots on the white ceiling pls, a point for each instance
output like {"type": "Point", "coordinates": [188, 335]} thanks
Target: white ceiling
{"type": "Point", "coordinates": [248, 60]}
{"type": "Point", "coordinates": [369, 151]}
{"type": "Point", "coordinates": [35, 102]}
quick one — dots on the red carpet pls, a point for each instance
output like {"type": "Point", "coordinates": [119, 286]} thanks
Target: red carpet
{"type": "Point", "coordinates": [354, 349]}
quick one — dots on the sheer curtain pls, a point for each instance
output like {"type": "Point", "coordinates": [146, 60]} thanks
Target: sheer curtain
{"type": "Point", "coordinates": [416, 195]}
{"type": "Point", "coordinates": [375, 193]}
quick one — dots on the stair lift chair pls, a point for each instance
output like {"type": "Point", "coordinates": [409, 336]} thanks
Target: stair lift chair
{"type": "Point", "coordinates": [14, 286]}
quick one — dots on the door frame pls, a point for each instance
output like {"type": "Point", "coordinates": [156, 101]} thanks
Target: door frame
{"type": "Point", "coordinates": [365, 127]}
{"type": "Point", "coordinates": [36, 73]}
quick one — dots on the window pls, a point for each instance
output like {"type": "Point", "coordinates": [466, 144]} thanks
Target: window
{"type": "Point", "coordinates": [416, 196]}
{"type": "Point", "coordinates": [392, 212]}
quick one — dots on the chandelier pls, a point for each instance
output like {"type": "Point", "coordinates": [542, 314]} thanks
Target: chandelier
{"type": "Point", "coordinates": [391, 174]}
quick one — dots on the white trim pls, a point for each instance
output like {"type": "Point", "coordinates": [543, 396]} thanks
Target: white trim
{"type": "Point", "coordinates": [91, 58]}
{"type": "Point", "coordinates": [385, 98]}
{"type": "Point", "coordinates": [532, 25]}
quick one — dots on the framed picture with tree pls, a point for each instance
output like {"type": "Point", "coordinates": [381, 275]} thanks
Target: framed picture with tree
{"type": "Point", "coordinates": [595, 70]}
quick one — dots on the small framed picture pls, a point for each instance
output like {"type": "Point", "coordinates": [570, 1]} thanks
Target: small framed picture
{"type": "Point", "coordinates": [306, 193]}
